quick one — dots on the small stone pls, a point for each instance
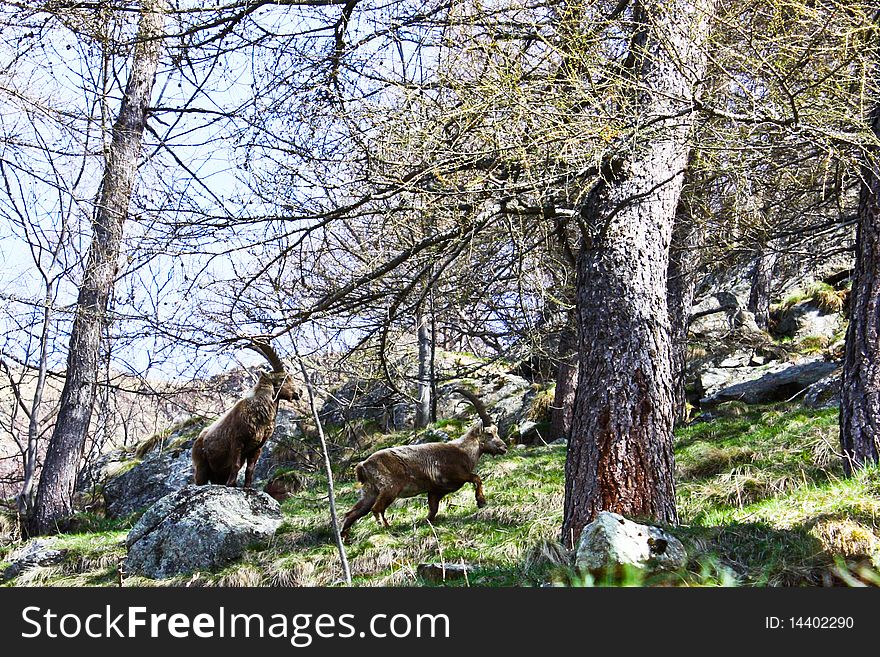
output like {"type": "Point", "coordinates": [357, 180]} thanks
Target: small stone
{"type": "Point", "coordinates": [611, 541]}
{"type": "Point", "coordinates": [439, 573]}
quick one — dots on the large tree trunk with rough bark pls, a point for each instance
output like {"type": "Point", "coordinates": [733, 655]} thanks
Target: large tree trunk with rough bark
{"type": "Point", "coordinates": [680, 287]}
{"type": "Point", "coordinates": [620, 454]}
{"type": "Point", "coordinates": [860, 393]}
{"type": "Point", "coordinates": [55, 491]}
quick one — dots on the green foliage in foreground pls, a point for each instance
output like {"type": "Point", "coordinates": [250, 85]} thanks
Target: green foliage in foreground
{"type": "Point", "coordinates": [761, 498]}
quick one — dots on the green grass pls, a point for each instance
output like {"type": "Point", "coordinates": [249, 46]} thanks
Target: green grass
{"type": "Point", "coordinates": [91, 559]}
{"type": "Point", "coordinates": [761, 498]}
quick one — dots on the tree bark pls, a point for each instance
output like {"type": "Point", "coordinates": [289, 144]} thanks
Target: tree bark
{"type": "Point", "coordinates": [566, 382]}
{"type": "Point", "coordinates": [423, 403]}
{"type": "Point", "coordinates": [860, 391]}
{"type": "Point", "coordinates": [620, 456]}
{"type": "Point", "coordinates": [762, 284]}
{"type": "Point", "coordinates": [55, 490]}
{"type": "Point", "coordinates": [680, 287]}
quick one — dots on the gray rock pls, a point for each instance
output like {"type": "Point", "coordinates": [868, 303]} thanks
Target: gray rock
{"type": "Point", "coordinates": [764, 384]}
{"type": "Point", "coordinates": [275, 453]}
{"type": "Point", "coordinates": [715, 314]}
{"type": "Point", "coordinates": [739, 360]}
{"type": "Point", "coordinates": [199, 528]}
{"type": "Point", "coordinates": [611, 541]}
{"type": "Point", "coordinates": [439, 573]}
{"type": "Point", "coordinates": [507, 398]}
{"type": "Point", "coordinates": [101, 469]}
{"type": "Point", "coordinates": [36, 552]}
{"type": "Point", "coordinates": [825, 393]}
{"type": "Point", "coordinates": [431, 435]}
{"type": "Point", "coordinates": [745, 320]}
{"type": "Point", "coordinates": [157, 475]}
{"type": "Point", "coordinates": [527, 433]}
{"type": "Point", "coordinates": [806, 319]}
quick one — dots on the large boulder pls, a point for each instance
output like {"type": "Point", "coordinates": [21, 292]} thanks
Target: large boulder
{"type": "Point", "coordinates": [763, 384]}
{"type": "Point", "coordinates": [611, 541]}
{"type": "Point", "coordinates": [716, 314]}
{"type": "Point", "coordinates": [199, 528]}
{"type": "Point", "coordinates": [506, 396]}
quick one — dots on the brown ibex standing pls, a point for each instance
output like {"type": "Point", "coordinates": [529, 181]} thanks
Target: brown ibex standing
{"type": "Point", "coordinates": [435, 468]}
{"type": "Point", "coordinates": [237, 437]}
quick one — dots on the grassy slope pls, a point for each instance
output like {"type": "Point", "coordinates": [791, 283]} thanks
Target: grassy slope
{"type": "Point", "coordinates": [761, 499]}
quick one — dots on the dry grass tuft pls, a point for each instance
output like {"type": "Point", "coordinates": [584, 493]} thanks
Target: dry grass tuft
{"type": "Point", "coordinates": [542, 405]}
{"type": "Point", "coordinates": [847, 538]}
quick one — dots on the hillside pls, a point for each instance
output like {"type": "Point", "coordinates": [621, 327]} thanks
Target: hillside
{"type": "Point", "coordinates": [760, 496]}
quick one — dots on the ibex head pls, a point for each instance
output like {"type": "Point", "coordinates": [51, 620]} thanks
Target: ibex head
{"type": "Point", "coordinates": [279, 378]}
{"type": "Point", "coordinates": [490, 441]}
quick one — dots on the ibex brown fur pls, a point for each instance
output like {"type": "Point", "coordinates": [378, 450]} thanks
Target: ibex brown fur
{"type": "Point", "coordinates": [237, 437]}
{"type": "Point", "coordinates": [435, 468]}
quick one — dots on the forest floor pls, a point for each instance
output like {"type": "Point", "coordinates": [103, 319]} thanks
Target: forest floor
{"type": "Point", "coordinates": [761, 497]}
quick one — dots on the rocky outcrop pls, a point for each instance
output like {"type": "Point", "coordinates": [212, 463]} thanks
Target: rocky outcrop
{"type": "Point", "coordinates": [103, 468]}
{"type": "Point", "coordinates": [825, 393]}
{"type": "Point", "coordinates": [506, 396]}
{"type": "Point", "coordinates": [808, 320]}
{"type": "Point", "coordinates": [763, 384]}
{"type": "Point", "coordinates": [157, 475]}
{"type": "Point", "coordinates": [715, 314]}
{"type": "Point", "coordinates": [199, 528]}
{"type": "Point", "coordinates": [612, 541]}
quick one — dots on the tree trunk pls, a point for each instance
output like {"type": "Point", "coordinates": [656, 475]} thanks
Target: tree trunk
{"type": "Point", "coordinates": [620, 456]}
{"type": "Point", "coordinates": [423, 403]}
{"type": "Point", "coordinates": [566, 383]}
{"type": "Point", "coordinates": [860, 392]}
{"type": "Point", "coordinates": [55, 491]}
{"type": "Point", "coordinates": [762, 284]}
{"type": "Point", "coordinates": [680, 287]}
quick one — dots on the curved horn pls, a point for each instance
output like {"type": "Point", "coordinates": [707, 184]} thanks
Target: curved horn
{"type": "Point", "coordinates": [477, 403]}
{"type": "Point", "coordinates": [267, 352]}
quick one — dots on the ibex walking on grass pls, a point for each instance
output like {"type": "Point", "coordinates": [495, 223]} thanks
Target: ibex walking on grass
{"type": "Point", "coordinates": [435, 468]}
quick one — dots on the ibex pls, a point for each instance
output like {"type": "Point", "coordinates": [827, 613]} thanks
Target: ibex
{"type": "Point", "coordinates": [237, 437]}
{"type": "Point", "coordinates": [435, 468]}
